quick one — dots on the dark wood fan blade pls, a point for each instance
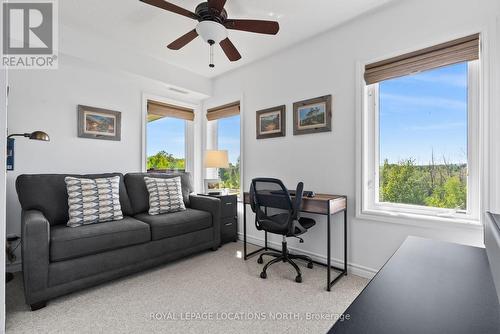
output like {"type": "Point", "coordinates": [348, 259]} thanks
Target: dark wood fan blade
{"type": "Point", "coordinates": [171, 8]}
{"type": "Point", "coordinates": [257, 26]}
{"type": "Point", "coordinates": [217, 4]}
{"type": "Point", "coordinates": [230, 50]}
{"type": "Point", "coordinates": [183, 41]}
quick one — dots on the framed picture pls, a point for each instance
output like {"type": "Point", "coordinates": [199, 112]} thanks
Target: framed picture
{"type": "Point", "coordinates": [212, 185]}
{"type": "Point", "coordinates": [271, 122]}
{"type": "Point", "coordinates": [312, 116]}
{"type": "Point", "coordinates": [99, 123]}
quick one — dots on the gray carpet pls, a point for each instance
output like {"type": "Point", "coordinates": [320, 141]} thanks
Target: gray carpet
{"type": "Point", "coordinates": [210, 284]}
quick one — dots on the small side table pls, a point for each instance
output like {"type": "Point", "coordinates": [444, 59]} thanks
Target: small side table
{"type": "Point", "coordinates": [229, 217]}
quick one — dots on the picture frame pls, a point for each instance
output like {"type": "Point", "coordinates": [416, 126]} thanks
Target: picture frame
{"type": "Point", "coordinates": [312, 116]}
{"type": "Point", "coordinates": [212, 186]}
{"type": "Point", "coordinates": [98, 123]}
{"type": "Point", "coordinates": [271, 122]}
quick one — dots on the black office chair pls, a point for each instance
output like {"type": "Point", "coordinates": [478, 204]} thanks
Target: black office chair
{"type": "Point", "coordinates": [272, 193]}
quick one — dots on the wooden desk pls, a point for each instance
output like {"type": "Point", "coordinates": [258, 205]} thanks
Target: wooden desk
{"type": "Point", "coordinates": [321, 204]}
{"type": "Point", "coordinates": [430, 287]}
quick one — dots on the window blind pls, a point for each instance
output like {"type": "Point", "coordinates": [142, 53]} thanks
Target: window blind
{"type": "Point", "coordinates": [456, 51]}
{"type": "Point", "coordinates": [158, 110]}
{"type": "Point", "coordinates": [228, 110]}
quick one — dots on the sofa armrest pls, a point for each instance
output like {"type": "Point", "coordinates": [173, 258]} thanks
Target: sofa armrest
{"type": "Point", "coordinates": [35, 251]}
{"type": "Point", "coordinates": [212, 205]}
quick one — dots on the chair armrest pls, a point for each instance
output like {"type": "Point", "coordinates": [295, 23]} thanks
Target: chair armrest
{"type": "Point", "coordinates": [35, 251]}
{"type": "Point", "coordinates": [209, 204]}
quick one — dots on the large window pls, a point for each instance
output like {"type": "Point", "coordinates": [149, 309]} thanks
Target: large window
{"type": "Point", "coordinates": [166, 144]}
{"type": "Point", "coordinates": [224, 134]}
{"type": "Point", "coordinates": [166, 136]}
{"type": "Point", "coordinates": [420, 141]}
{"type": "Point", "coordinates": [228, 133]}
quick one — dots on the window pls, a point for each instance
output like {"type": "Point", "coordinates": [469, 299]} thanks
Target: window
{"type": "Point", "coordinates": [420, 140]}
{"type": "Point", "coordinates": [228, 138]}
{"type": "Point", "coordinates": [224, 134]}
{"type": "Point", "coordinates": [166, 144]}
{"type": "Point", "coordinates": [166, 137]}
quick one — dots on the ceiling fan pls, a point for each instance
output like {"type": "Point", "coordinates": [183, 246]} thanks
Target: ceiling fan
{"type": "Point", "coordinates": [213, 25]}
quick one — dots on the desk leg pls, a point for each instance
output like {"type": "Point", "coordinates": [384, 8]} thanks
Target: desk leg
{"type": "Point", "coordinates": [345, 241]}
{"type": "Point", "coordinates": [328, 256]}
{"type": "Point", "coordinates": [244, 231]}
{"type": "Point", "coordinates": [265, 233]}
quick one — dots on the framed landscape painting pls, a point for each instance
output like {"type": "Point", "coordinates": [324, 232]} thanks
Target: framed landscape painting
{"type": "Point", "coordinates": [312, 116]}
{"type": "Point", "coordinates": [271, 123]}
{"type": "Point", "coordinates": [99, 123]}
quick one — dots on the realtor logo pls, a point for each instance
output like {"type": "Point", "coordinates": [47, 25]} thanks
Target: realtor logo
{"type": "Point", "coordinates": [29, 38]}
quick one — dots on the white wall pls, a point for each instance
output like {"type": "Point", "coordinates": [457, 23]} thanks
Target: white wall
{"type": "Point", "coordinates": [47, 100]}
{"type": "Point", "coordinates": [3, 163]}
{"type": "Point", "coordinates": [3, 146]}
{"type": "Point", "coordinates": [326, 162]}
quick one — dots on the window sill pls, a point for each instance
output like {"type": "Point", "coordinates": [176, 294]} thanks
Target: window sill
{"type": "Point", "coordinates": [418, 220]}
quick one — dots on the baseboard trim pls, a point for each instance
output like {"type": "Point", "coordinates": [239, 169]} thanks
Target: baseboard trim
{"type": "Point", "coordinates": [353, 268]}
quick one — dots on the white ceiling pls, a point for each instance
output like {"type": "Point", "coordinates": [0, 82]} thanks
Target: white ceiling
{"type": "Point", "coordinates": [147, 30]}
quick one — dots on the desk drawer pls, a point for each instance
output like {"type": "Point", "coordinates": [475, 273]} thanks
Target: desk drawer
{"type": "Point", "coordinates": [229, 230]}
{"type": "Point", "coordinates": [229, 207]}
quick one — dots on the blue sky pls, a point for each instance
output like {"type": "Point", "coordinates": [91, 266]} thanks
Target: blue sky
{"type": "Point", "coordinates": [229, 137]}
{"type": "Point", "coordinates": [167, 134]}
{"type": "Point", "coordinates": [423, 113]}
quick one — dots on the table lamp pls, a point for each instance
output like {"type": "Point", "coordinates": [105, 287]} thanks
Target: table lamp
{"type": "Point", "coordinates": [215, 159]}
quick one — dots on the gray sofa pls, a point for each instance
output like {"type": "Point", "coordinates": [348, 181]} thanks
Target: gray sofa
{"type": "Point", "coordinates": [58, 259]}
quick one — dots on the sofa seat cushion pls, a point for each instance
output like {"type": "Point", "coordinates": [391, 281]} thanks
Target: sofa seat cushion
{"type": "Point", "coordinates": [67, 242]}
{"type": "Point", "coordinates": [177, 223]}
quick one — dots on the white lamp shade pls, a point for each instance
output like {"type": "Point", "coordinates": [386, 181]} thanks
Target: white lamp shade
{"type": "Point", "coordinates": [211, 31]}
{"type": "Point", "coordinates": [216, 159]}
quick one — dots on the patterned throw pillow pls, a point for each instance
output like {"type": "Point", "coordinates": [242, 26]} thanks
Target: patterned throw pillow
{"type": "Point", "coordinates": [165, 195]}
{"type": "Point", "coordinates": [93, 200]}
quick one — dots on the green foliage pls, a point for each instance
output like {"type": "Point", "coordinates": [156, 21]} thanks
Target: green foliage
{"type": "Point", "coordinates": [441, 186]}
{"type": "Point", "coordinates": [165, 161]}
{"type": "Point", "coordinates": [402, 184]}
{"type": "Point", "coordinates": [451, 194]}
{"type": "Point", "coordinates": [230, 177]}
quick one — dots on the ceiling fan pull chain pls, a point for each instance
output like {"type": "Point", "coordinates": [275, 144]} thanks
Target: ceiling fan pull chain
{"type": "Point", "coordinates": [211, 65]}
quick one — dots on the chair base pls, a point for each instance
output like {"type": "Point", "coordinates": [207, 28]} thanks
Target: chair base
{"type": "Point", "coordinates": [284, 256]}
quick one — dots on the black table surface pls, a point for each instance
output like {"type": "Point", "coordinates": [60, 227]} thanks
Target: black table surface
{"type": "Point", "coordinates": [427, 287]}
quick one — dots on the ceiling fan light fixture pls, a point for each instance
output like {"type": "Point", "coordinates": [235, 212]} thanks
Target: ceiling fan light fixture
{"type": "Point", "coordinates": [211, 32]}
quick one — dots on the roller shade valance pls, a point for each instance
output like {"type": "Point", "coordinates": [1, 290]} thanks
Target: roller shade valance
{"type": "Point", "coordinates": [158, 110]}
{"type": "Point", "coordinates": [456, 51]}
{"type": "Point", "coordinates": [228, 110]}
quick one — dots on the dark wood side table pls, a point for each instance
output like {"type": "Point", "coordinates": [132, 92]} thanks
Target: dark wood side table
{"type": "Point", "coordinates": [229, 217]}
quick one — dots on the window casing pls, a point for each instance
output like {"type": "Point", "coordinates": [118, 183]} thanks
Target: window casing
{"type": "Point", "coordinates": [224, 133]}
{"type": "Point", "coordinates": [174, 135]}
{"type": "Point", "coordinates": [370, 144]}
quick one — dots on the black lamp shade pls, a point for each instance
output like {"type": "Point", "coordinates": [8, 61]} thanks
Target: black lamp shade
{"type": "Point", "coordinates": [39, 135]}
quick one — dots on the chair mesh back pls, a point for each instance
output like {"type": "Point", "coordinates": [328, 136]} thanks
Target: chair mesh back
{"type": "Point", "coordinates": [270, 193]}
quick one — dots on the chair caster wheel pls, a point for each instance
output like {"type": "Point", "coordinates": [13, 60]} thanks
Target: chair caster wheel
{"type": "Point", "coordinates": [298, 279]}
{"type": "Point", "coordinates": [260, 261]}
{"type": "Point", "coordinates": [263, 275]}
{"type": "Point", "coordinates": [310, 265]}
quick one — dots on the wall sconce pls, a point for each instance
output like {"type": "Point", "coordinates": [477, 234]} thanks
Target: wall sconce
{"type": "Point", "coordinates": [37, 135]}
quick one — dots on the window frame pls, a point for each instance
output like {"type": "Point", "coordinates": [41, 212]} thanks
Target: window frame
{"type": "Point", "coordinates": [212, 140]}
{"type": "Point", "coordinates": [370, 145]}
{"type": "Point", "coordinates": [216, 135]}
{"type": "Point", "coordinates": [188, 132]}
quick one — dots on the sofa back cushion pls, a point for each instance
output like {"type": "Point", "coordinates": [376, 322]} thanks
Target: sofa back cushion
{"type": "Point", "coordinates": [139, 195]}
{"type": "Point", "coordinates": [47, 193]}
